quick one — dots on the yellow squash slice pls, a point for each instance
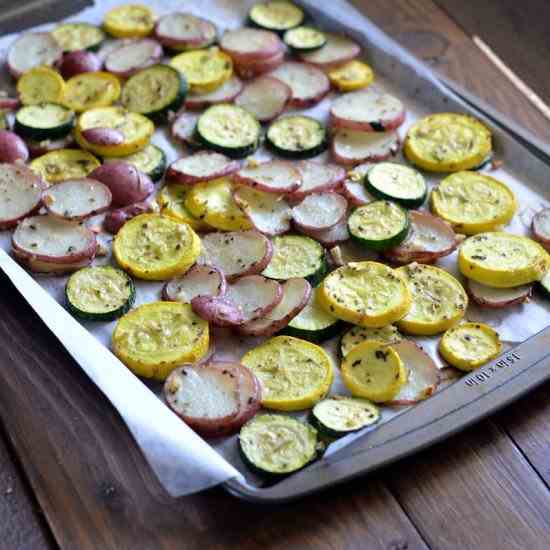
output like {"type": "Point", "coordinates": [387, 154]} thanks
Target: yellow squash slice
{"type": "Point", "coordinates": [156, 247]}
{"type": "Point", "coordinates": [91, 90]}
{"type": "Point", "coordinates": [212, 201]}
{"type": "Point", "coordinates": [448, 142]}
{"type": "Point", "coordinates": [438, 300]}
{"type": "Point", "coordinates": [373, 370]}
{"type": "Point", "coordinates": [294, 374]}
{"type": "Point", "coordinates": [172, 204]}
{"type": "Point", "coordinates": [368, 294]}
{"type": "Point", "coordinates": [473, 203]}
{"type": "Point", "coordinates": [357, 335]}
{"type": "Point", "coordinates": [136, 129]}
{"type": "Point", "coordinates": [470, 345]}
{"type": "Point", "coordinates": [153, 339]}
{"type": "Point", "coordinates": [204, 70]}
{"type": "Point", "coordinates": [64, 164]}
{"type": "Point", "coordinates": [353, 75]}
{"type": "Point", "coordinates": [41, 85]}
{"type": "Point", "coordinates": [129, 21]}
{"type": "Point", "coordinates": [502, 260]}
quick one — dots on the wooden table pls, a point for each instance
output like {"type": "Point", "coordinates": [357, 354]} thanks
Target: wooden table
{"type": "Point", "coordinates": [72, 477]}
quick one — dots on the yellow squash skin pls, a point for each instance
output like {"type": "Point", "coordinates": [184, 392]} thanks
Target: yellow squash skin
{"type": "Point", "coordinates": [473, 203]}
{"type": "Point", "coordinates": [136, 129]}
{"type": "Point", "coordinates": [368, 294]}
{"type": "Point", "coordinates": [438, 300]}
{"type": "Point", "coordinates": [129, 21]}
{"type": "Point", "coordinates": [64, 164]}
{"type": "Point", "coordinates": [91, 90]}
{"type": "Point", "coordinates": [155, 338]}
{"type": "Point", "coordinates": [156, 247]}
{"type": "Point", "coordinates": [357, 335]}
{"type": "Point", "coordinates": [294, 374]}
{"type": "Point", "coordinates": [353, 75]}
{"type": "Point", "coordinates": [212, 201]}
{"type": "Point", "coordinates": [41, 85]}
{"type": "Point", "coordinates": [470, 345]}
{"type": "Point", "coordinates": [502, 260]}
{"type": "Point", "coordinates": [373, 370]}
{"type": "Point", "coordinates": [172, 204]}
{"type": "Point", "coordinates": [447, 142]}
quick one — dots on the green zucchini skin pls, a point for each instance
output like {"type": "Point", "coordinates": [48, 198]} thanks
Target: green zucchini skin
{"type": "Point", "coordinates": [41, 134]}
{"type": "Point", "coordinates": [315, 336]}
{"type": "Point", "coordinates": [287, 39]}
{"type": "Point", "coordinates": [378, 244]}
{"type": "Point", "coordinates": [155, 173]}
{"type": "Point", "coordinates": [307, 152]}
{"type": "Point", "coordinates": [76, 309]}
{"type": "Point", "coordinates": [544, 285]}
{"type": "Point", "coordinates": [316, 278]}
{"type": "Point", "coordinates": [488, 159]}
{"type": "Point", "coordinates": [251, 21]}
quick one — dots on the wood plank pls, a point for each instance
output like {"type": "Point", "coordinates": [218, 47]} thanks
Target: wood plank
{"type": "Point", "coordinates": [97, 492]}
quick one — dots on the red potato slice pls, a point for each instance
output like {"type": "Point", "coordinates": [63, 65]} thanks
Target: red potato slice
{"type": "Point", "coordinates": [253, 69]}
{"type": "Point", "coordinates": [12, 148]}
{"type": "Point", "coordinates": [8, 103]}
{"type": "Point", "coordinates": [338, 50]}
{"type": "Point", "coordinates": [21, 192]}
{"type": "Point", "coordinates": [115, 219]}
{"type": "Point", "coordinates": [320, 211]}
{"type": "Point", "coordinates": [429, 239]}
{"type": "Point", "coordinates": [349, 251]}
{"type": "Point", "coordinates": [367, 111]}
{"type": "Point", "coordinates": [331, 237]}
{"type": "Point", "coordinates": [109, 46]}
{"type": "Point", "coordinates": [103, 136]}
{"type": "Point", "coordinates": [183, 30]}
{"type": "Point", "coordinates": [50, 239]}
{"type": "Point", "coordinates": [318, 178]}
{"type": "Point", "coordinates": [276, 176]}
{"type": "Point", "coordinates": [236, 253]}
{"type": "Point", "coordinates": [255, 295]}
{"type": "Point", "coordinates": [350, 147]}
{"type": "Point", "coordinates": [423, 376]}
{"type": "Point", "coordinates": [183, 129]}
{"type": "Point", "coordinates": [497, 298]}
{"type": "Point", "coordinates": [32, 49]}
{"type": "Point", "coordinates": [247, 45]}
{"type": "Point", "coordinates": [250, 393]}
{"type": "Point", "coordinates": [77, 199]}
{"type": "Point", "coordinates": [38, 148]}
{"type": "Point", "coordinates": [226, 93]}
{"type": "Point", "coordinates": [540, 228]}
{"type": "Point", "coordinates": [296, 294]}
{"type": "Point", "coordinates": [269, 213]}
{"type": "Point", "coordinates": [218, 310]}
{"type": "Point", "coordinates": [200, 280]}
{"type": "Point", "coordinates": [78, 62]}
{"type": "Point", "coordinates": [127, 60]}
{"type": "Point", "coordinates": [265, 97]}
{"type": "Point", "coordinates": [51, 268]}
{"type": "Point", "coordinates": [206, 397]}
{"type": "Point", "coordinates": [202, 166]}
{"type": "Point", "coordinates": [356, 193]}
{"type": "Point", "coordinates": [309, 85]}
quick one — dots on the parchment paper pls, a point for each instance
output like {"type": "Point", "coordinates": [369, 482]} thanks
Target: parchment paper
{"type": "Point", "coordinates": [183, 461]}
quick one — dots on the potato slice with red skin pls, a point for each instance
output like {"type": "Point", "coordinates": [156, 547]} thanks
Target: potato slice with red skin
{"type": "Point", "coordinates": [276, 176]}
{"type": "Point", "coordinates": [32, 49]}
{"type": "Point", "coordinates": [265, 97]}
{"type": "Point", "coordinates": [12, 148]}
{"type": "Point", "coordinates": [128, 185]}
{"type": "Point", "coordinates": [39, 148]}
{"type": "Point", "coordinates": [182, 129]}
{"type": "Point", "coordinates": [332, 236]}
{"type": "Point", "coordinates": [497, 298]}
{"type": "Point", "coordinates": [103, 136]}
{"type": "Point", "coordinates": [253, 69]}
{"type": "Point", "coordinates": [78, 62]}
{"type": "Point", "coordinates": [356, 193]}
{"type": "Point", "coordinates": [247, 45]}
{"type": "Point", "coordinates": [256, 296]}
{"type": "Point", "coordinates": [226, 93]}
{"type": "Point", "coordinates": [350, 147]}
{"type": "Point", "coordinates": [320, 211]}
{"type": "Point", "coordinates": [218, 310]}
{"type": "Point", "coordinates": [318, 178]}
{"type": "Point", "coordinates": [128, 60]}
{"type": "Point", "coordinates": [201, 166]}
{"type": "Point", "coordinates": [200, 280]}
{"type": "Point", "coordinates": [540, 227]}
{"type": "Point", "coordinates": [176, 30]}
{"type": "Point", "coordinates": [338, 50]}
{"type": "Point", "coordinates": [115, 219]}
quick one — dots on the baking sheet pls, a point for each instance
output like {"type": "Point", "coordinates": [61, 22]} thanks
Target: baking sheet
{"type": "Point", "coordinates": [184, 462]}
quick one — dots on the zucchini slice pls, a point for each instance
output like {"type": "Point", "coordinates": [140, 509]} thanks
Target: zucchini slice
{"type": "Point", "coordinates": [91, 90]}
{"type": "Point", "coordinates": [439, 300]}
{"type": "Point", "coordinates": [473, 203]}
{"type": "Point", "coordinates": [45, 121]}
{"type": "Point", "coordinates": [274, 445]}
{"type": "Point", "coordinates": [447, 142]}
{"type": "Point", "coordinates": [230, 130]}
{"type": "Point", "coordinates": [470, 345]}
{"type": "Point", "coordinates": [153, 339]}
{"type": "Point", "coordinates": [155, 247]}
{"type": "Point", "coordinates": [129, 21]}
{"type": "Point", "coordinates": [150, 161]}
{"type": "Point", "coordinates": [276, 16]}
{"type": "Point", "coordinates": [340, 415]}
{"type": "Point", "coordinates": [351, 76]}
{"type": "Point", "coordinates": [304, 39]}
{"type": "Point", "coordinates": [313, 323]}
{"type": "Point", "coordinates": [64, 164]}
{"type": "Point", "coordinates": [294, 374]}
{"type": "Point", "coordinates": [101, 293]}
{"type": "Point", "coordinates": [357, 335]}
{"type": "Point", "coordinates": [544, 284]}
{"type": "Point", "coordinates": [368, 294]}
{"type": "Point", "coordinates": [397, 182]}
{"type": "Point", "coordinates": [373, 370]}
{"type": "Point", "coordinates": [40, 85]}
{"type": "Point", "coordinates": [297, 137]}
{"type": "Point", "coordinates": [78, 36]}
{"type": "Point", "coordinates": [379, 225]}
{"type": "Point", "coordinates": [297, 256]}
{"type": "Point", "coordinates": [502, 260]}
{"type": "Point", "coordinates": [154, 92]}
{"type": "Point", "coordinates": [338, 50]}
